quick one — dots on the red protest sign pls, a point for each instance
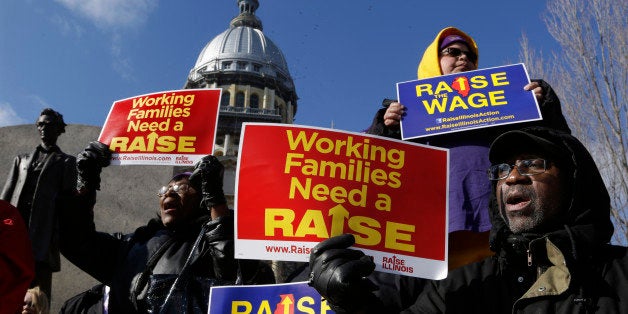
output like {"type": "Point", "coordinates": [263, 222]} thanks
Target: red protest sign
{"type": "Point", "coordinates": [165, 128]}
{"type": "Point", "coordinates": [297, 186]}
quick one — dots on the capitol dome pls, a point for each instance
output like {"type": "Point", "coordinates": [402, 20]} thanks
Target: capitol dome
{"type": "Point", "coordinates": [252, 73]}
{"type": "Point", "coordinates": [243, 48]}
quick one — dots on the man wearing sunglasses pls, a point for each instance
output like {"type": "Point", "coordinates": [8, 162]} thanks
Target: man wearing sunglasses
{"type": "Point", "coordinates": [454, 51]}
{"type": "Point", "coordinates": [550, 232]}
{"type": "Point", "coordinates": [194, 231]}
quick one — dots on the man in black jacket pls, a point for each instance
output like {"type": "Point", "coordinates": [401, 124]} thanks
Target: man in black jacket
{"type": "Point", "coordinates": [191, 242]}
{"type": "Point", "coordinates": [551, 227]}
{"type": "Point", "coordinates": [33, 185]}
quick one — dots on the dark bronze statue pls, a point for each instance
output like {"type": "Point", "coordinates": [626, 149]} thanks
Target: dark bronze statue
{"type": "Point", "coordinates": [33, 185]}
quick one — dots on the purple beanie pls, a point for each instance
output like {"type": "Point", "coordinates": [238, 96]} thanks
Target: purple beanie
{"type": "Point", "coordinates": [452, 39]}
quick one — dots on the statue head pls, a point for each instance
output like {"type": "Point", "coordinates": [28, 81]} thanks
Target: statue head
{"type": "Point", "coordinates": [50, 125]}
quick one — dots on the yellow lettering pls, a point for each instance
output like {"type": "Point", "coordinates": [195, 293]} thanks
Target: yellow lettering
{"type": "Point", "coordinates": [361, 196]}
{"type": "Point", "coordinates": [499, 79]}
{"type": "Point", "coordinates": [338, 194]}
{"type": "Point", "coordinates": [241, 307]}
{"type": "Point", "coordinates": [290, 163]}
{"type": "Point", "coordinates": [278, 218]}
{"type": "Point", "coordinates": [186, 144]}
{"type": "Point", "coordinates": [497, 98]}
{"type": "Point", "coordinates": [394, 182]}
{"type": "Point", "coordinates": [481, 100]}
{"type": "Point", "coordinates": [137, 145]}
{"type": "Point", "coordinates": [264, 308]}
{"type": "Point", "coordinates": [442, 86]}
{"type": "Point", "coordinates": [176, 112]}
{"type": "Point", "coordinates": [133, 125]}
{"type": "Point", "coordinates": [166, 144]}
{"type": "Point", "coordinates": [461, 84]}
{"type": "Point", "coordinates": [423, 88]}
{"type": "Point", "coordinates": [383, 202]}
{"type": "Point", "coordinates": [478, 81]}
{"type": "Point", "coordinates": [325, 307]}
{"type": "Point", "coordinates": [457, 102]}
{"type": "Point", "coordinates": [437, 103]}
{"type": "Point", "coordinates": [303, 190]}
{"type": "Point", "coordinates": [379, 177]}
{"type": "Point", "coordinates": [394, 234]}
{"type": "Point", "coordinates": [364, 226]}
{"type": "Point", "coordinates": [310, 167]}
{"type": "Point", "coordinates": [302, 307]}
{"type": "Point", "coordinates": [119, 144]}
{"type": "Point", "coordinates": [312, 224]}
{"type": "Point", "coordinates": [301, 137]}
{"type": "Point", "coordinates": [327, 142]}
{"type": "Point", "coordinates": [148, 126]}
{"type": "Point", "coordinates": [178, 126]}
{"type": "Point", "coordinates": [320, 192]}
{"type": "Point", "coordinates": [132, 113]}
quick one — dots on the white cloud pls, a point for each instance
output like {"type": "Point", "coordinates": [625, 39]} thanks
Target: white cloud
{"type": "Point", "coordinates": [112, 13]}
{"type": "Point", "coordinates": [37, 101]}
{"type": "Point", "coordinates": [112, 17]}
{"type": "Point", "coordinates": [121, 64]}
{"type": "Point", "coordinates": [8, 116]}
{"type": "Point", "coordinates": [67, 26]}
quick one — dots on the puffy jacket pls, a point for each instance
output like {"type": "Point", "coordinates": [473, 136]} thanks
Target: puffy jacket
{"type": "Point", "coordinates": [570, 270]}
{"type": "Point", "coordinates": [120, 261]}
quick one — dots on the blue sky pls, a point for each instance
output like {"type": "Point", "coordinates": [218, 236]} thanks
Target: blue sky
{"type": "Point", "coordinates": [79, 56]}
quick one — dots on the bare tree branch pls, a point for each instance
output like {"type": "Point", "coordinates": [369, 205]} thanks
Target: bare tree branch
{"type": "Point", "coordinates": [590, 74]}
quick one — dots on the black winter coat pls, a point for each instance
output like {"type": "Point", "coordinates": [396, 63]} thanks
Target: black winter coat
{"type": "Point", "coordinates": [120, 261]}
{"type": "Point", "coordinates": [492, 286]}
{"type": "Point", "coordinates": [570, 270]}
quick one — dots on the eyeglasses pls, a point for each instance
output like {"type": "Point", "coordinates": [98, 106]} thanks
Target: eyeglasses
{"type": "Point", "coordinates": [177, 188]}
{"type": "Point", "coordinates": [455, 52]}
{"type": "Point", "coordinates": [527, 167]}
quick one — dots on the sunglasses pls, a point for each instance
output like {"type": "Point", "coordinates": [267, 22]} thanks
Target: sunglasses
{"type": "Point", "coordinates": [455, 52]}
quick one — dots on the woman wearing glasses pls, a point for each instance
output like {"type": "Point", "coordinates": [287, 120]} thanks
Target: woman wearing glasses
{"type": "Point", "coordinates": [453, 51]}
{"type": "Point", "coordinates": [169, 264]}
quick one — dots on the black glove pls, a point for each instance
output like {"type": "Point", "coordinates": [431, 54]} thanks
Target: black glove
{"type": "Point", "coordinates": [89, 163]}
{"type": "Point", "coordinates": [339, 275]}
{"type": "Point", "coordinates": [208, 174]}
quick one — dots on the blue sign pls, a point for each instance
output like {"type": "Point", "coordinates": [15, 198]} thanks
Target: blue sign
{"type": "Point", "coordinates": [467, 100]}
{"type": "Point", "coordinates": [289, 298]}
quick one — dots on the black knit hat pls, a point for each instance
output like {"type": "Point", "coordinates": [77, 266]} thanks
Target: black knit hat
{"type": "Point", "coordinates": [519, 141]}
